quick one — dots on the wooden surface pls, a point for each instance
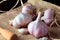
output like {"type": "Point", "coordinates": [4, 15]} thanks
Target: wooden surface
{"type": "Point", "coordinates": [4, 18]}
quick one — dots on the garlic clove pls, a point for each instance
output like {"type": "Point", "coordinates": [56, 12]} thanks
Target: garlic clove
{"type": "Point", "coordinates": [23, 31]}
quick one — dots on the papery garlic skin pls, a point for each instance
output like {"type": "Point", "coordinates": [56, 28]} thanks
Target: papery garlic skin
{"type": "Point", "coordinates": [48, 15]}
{"type": "Point", "coordinates": [21, 20]}
{"type": "Point", "coordinates": [29, 8]}
{"type": "Point", "coordinates": [38, 31]}
{"type": "Point", "coordinates": [38, 28]}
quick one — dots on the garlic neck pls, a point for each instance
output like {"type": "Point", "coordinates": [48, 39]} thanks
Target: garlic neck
{"type": "Point", "coordinates": [38, 17]}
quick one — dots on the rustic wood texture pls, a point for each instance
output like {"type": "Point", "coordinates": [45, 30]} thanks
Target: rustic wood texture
{"type": "Point", "coordinates": [4, 18]}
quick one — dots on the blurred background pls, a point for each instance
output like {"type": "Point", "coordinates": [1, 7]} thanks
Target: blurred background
{"type": "Point", "coordinates": [57, 2]}
{"type": "Point", "coordinates": [7, 5]}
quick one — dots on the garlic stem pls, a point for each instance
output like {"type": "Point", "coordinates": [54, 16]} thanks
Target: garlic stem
{"type": "Point", "coordinates": [39, 17]}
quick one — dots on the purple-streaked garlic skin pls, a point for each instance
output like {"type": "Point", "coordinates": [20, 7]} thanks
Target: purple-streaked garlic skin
{"type": "Point", "coordinates": [26, 9]}
{"type": "Point", "coordinates": [38, 28]}
{"type": "Point", "coordinates": [48, 15]}
{"type": "Point", "coordinates": [23, 31]}
{"type": "Point", "coordinates": [21, 20]}
{"type": "Point", "coordinates": [29, 9]}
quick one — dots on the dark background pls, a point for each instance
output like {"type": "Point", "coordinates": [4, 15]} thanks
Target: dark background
{"type": "Point", "coordinates": [57, 2]}
{"type": "Point", "coordinates": [5, 6]}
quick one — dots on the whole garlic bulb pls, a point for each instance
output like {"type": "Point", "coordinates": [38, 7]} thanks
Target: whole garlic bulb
{"type": "Point", "coordinates": [38, 28]}
{"type": "Point", "coordinates": [21, 20]}
{"type": "Point", "coordinates": [48, 16]}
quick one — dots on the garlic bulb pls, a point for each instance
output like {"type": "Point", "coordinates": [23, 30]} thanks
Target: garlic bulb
{"type": "Point", "coordinates": [38, 28]}
{"type": "Point", "coordinates": [27, 15]}
{"type": "Point", "coordinates": [21, 20]}
{"type": "Point", "coordinates": [48, 16]}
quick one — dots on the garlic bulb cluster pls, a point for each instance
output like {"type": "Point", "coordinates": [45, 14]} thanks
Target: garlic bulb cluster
{"type": "Point", "coordinates": [25, 17]}
{"type": "Point", "coordinates": [37, 27]}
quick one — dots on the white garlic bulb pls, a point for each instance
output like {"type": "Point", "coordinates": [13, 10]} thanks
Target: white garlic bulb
{"type": "Point", "coordinates": [21, 20]}
{"type": "Point", "coordinates": [38, 28]}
